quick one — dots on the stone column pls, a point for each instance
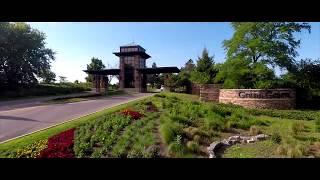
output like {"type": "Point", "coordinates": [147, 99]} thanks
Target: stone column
{"type": "Point", "coordinates": [97, 82]}
{"type": "Point", "coordinates": [102, 84]}
{"type": "Point", "coordinates": [121, 75]}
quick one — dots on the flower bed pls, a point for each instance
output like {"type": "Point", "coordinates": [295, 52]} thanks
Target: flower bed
{"type": "Point", "coordinates": [133, 114]}
{"type": "Point", "coordinates": [59, 146]}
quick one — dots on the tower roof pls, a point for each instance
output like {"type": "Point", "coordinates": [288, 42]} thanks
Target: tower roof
{"type": "Point", "coordinates": [131, 44]}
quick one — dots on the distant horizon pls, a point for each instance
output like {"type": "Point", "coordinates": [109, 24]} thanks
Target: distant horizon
{"type": "Point", "coordinates": [168, 43]}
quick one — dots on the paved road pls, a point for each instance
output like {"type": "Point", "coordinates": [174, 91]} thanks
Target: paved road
{"type": "Point", "coordinates": [20, 121]}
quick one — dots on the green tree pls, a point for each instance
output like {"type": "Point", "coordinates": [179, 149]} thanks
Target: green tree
{"type": "Point", "coordinates": [154, 79]}
{"type": "Point", "coordinates": [62, 79]}
{"type": "Point", "coordinates": [23, 55]}
{"type": "Point", "coordinates": [170, 81]}
{"type": "Point", "coordinates": [96, 64]}
{"type": "Point", "coordinates": [189, 66]}
{"type": "Point", "coordinates": [49, 77]}
{"type": "Point", "coordinates": [183, 79]}
{"type": "Point", "coordinates": [255, 49]}
{"type": "Point", "coordinates": [205, 71]}
{"type": "Point", "coordinates": [268, 42]}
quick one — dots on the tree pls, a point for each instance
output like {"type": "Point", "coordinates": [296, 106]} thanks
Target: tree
{"type": "Point", "coordinates": [76, 82]}
{"type": "Point", "coordinates": [183, 79]}
{"type": "Point", "coordinates": [189, 66]}
{"type": "Point", "coordinates": [23, 55]}
{"type": "Point", "coordinates": [205, 70]}
{"type": "Point", "coordinates": [63, 79]}
{"type": "Point", "coordinates": [49, 77]}
{"type": "Point", "coordinates": [238, 73]}
{"type": "Point", "coordinates": [272, 43]}
{"type": "Point", "coordinates": [154, 79]}
{"type": "Point", "coordinates": [255, 49]}
{"type": "Point", "coordinates": [96, 64]}
{"type": "Point", "coordinates": [170, 81]}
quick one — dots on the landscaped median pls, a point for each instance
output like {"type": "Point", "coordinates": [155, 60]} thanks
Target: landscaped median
{"type": "Point", "coordinates": [174, 125]}
{"type": "Point", "coordinates": [36, 141]}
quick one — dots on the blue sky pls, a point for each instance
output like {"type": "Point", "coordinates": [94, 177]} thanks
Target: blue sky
{"type": "Point", "coordinates": [169, 44]}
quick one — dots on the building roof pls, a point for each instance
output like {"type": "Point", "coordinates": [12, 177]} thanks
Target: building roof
{"type": "Point", "coordinates": [142, 54]}
{"type": "Point", "coordinates": [159, 70]}
{"type": "Point", "coordinates": [104, 72]}
{"type": "Point", "coordinates": [130, 44]}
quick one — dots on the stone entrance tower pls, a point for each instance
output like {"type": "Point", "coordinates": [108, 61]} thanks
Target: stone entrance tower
{"type": "Point", "coordinates": [132, 58]}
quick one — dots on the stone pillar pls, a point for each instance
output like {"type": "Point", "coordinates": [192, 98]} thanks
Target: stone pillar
{"type": "Point", "coordinates": [97, 83]}
{"type": "Point", "coordinates": [107, 84]}
{"type": "Point", "coordinates": [121, 75]}
{"type": "Point", "coordinates": [102, 84]}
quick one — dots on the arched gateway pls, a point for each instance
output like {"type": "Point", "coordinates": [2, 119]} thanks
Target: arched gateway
{"type": "Point", "coordinates": [132, 71]}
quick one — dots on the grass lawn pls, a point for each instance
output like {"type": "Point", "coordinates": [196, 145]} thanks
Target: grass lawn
{"type": "Point", "coordinates": [179, 125]}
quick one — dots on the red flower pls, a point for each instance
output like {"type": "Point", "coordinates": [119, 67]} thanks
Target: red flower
{"type": "Point", "coordinates": [133, 114]}
{"type": "Point", "coordinates": [59, 146]}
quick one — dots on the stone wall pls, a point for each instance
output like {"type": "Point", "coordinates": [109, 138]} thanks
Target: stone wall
{"type": "Point", "coordinates": [209, 92]}
{"type": "Point", "coordinates": [195, 89]}
{"type": "Point", "coordinates": [259, 98]}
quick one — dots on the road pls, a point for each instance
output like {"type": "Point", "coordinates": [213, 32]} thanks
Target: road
{"type": "Point", "coordinates": [19, 121]}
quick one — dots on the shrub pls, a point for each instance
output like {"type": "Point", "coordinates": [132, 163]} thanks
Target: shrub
{"type": "Point", "coordinates": [167, 133]}
{"type": "Point", "coordinates": [254, 130]}
{"type": "Point", "coordinates": [214, 121]}
{"type": "Point", "coordinates": [160, 95]}
{"type": "Point", "coordinates": [196, 138]}
{"type": "Point", "coordinates": [176, 148]}
{"type": "Point", "coordinates": [276, 137]}
{"type": "Point", "coordinates": [151, 152]}
{"type": "Point", "coordinates": [59, 146]}
{"type": "Point", "coordinates": [31, 151]}
{"type": "Point", "coordinates": [193, 146]}
{"type": "Point", "coordinates": [281, 150]}
{"type": "Point", "coordinates": [180, 119]}
{"type": "Point", "coordinates": [190, 132]}
{"type": "Point", "coordinates": [297, 127]}
{"type": "Point", "coordinates": [317, 126]}
{"type": "Point", "coordinates": [295, 152]}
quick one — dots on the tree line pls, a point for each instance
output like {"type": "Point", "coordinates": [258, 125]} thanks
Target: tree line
{"type": "Point", "coordinates": [253, 54]}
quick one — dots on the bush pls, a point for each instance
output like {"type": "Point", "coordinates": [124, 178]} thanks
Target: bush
{"type": "Point", "coordinates": [176, 148]}
{"type": "Point", "coordinates": [167, 133]}
{"type": "Point", "coordinates": [297, 127]}
{"type": "Point", "coordinates": [196, 138]}
{"type": "Point", "coordinates": [31, 151]}
{"type": "Point", "coordinates": [276, 137]}
{"type": "Point", "coordinates": [160, 95]}
{"type": "Point", "coordinates": [214, 121]}
{"type": "Point", "coordinates": [193, 146]}
{"type": "Point", "coordinates": [181, 119]}
{"type": "Point", "coordinates": [317, 126]}
{"type": "Point", "coordinates": [254, 130]}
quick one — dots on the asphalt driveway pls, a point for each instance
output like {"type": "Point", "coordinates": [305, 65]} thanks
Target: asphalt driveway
{"type": "Point", "coordinates": [19, 121]}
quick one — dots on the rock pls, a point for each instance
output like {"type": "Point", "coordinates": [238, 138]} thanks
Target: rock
{"type": "Point", "coordinates": [212, 149]}
{"type": "Point", "coordinates": [261, 136]}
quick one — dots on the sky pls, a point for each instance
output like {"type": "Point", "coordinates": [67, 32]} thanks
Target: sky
{"type": "Point", "coordinates": [168, 43]}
